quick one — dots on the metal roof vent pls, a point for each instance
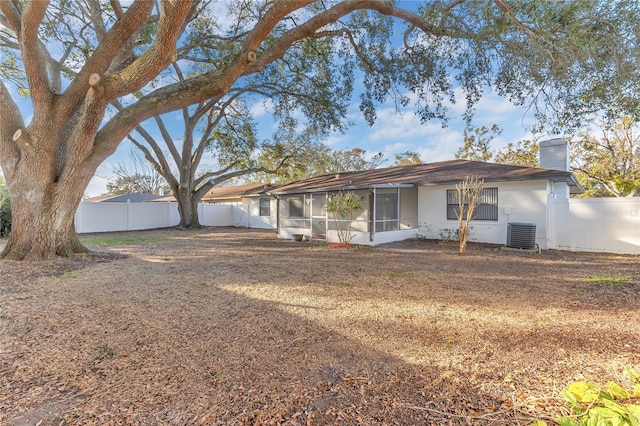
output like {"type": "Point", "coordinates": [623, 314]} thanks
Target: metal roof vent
{"type": "Point", "coordinates": [521, 235]}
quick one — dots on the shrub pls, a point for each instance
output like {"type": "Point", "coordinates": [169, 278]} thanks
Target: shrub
{"type": "Point", "coordinates": [594, 405]}
{"type": "Point", "coordinates": [344, 207]}
{"type": "Point", "coordinates": [5, 210]}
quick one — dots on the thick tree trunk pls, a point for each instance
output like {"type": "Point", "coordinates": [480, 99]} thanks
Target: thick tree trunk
{"type": "Point", "coordinates": [42, 213]}
{"type": "Point", "coordinates": [188, 208]}
{"type": "Point", "coordinates": [42, 225]}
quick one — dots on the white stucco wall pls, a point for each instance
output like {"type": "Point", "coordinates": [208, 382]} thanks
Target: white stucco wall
{"type": "Point", "coordinates": [241, 214]}
{"type": "Point", "coordinates": [362, 238]}
{"type": "Point", "coordinates": [391, 236]}
{"type": "Point", "coordinates": [517, 202]}
{"type": "Point", "coordinates": [262, 222]}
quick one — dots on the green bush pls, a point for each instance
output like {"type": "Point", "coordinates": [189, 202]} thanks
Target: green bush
{"type": "Point", "coordinates": [344, 207]}
{"type": "Point", "coordinates": [5, 210]}
{"type": "Point", "coordinates": [592, 405]}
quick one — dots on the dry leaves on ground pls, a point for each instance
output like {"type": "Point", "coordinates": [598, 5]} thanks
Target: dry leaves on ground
{"type": "Point", "coordinates": [231, 326]}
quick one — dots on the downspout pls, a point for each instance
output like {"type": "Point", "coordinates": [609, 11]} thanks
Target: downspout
{"type": "Point", "coordinates": [277, 215]}
{"type": "Point", "coordinates": [372, 218]}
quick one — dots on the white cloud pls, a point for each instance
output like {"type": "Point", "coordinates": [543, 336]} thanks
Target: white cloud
{"type": "Point", "coordinates": [397, 147]}
{"type": "Point", "coordinates": [262, 108]}
{"type": "Point", "coordinates": [337, 139]}
{"type": "Point", "coordinates": [97, 186]}
{"type": "Point", "coordinates": [391, 125]}
{"type": "Point", "coordinates": [440, 147]}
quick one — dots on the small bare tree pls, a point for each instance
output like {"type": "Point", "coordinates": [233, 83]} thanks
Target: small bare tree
{"type": "Point", "coordinates": [469, 196]}
{"type": "Point", "coordinates": [136, 176]}
{"type": "Point", "coordinates": [344, 207]}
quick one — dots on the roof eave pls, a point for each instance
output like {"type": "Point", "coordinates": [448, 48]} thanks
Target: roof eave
{"type": "Point", "coordinates": [344, 188]}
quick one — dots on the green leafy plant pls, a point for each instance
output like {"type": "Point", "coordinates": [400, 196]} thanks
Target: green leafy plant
{"type": "Point", "coordinates": [5, 209]}
{"type": "Point", "coordinates": [108, 352]}
{"type": "Point", "coordinates": [593, 405]}
{"type": "Point", "coordinates": [344, 207]}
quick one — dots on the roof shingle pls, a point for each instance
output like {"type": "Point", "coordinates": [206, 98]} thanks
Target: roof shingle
{"type": "Point", "coordinates": [442, 172]}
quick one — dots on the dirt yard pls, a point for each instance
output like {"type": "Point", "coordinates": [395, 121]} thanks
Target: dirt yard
{"type": "Point", "coordinates": [233, 327]}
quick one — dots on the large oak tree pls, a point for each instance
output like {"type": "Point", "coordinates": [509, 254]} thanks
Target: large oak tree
{"type": "Point", "coordinates": [76, 59]}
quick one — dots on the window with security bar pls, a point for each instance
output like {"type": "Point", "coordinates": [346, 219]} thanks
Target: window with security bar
{"type": "Point", "coordinates": [265, 206]}
{"type": "Point", "coordinates": [487, 208]}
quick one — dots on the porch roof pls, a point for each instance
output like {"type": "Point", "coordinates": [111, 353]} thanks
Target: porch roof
{"type": "Point", "coordinates": [232, 193]}
{"type": "Point", "coordinates": [443, 172]}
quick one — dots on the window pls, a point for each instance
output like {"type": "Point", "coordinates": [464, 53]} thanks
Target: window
{"type": "Point", "coordinates": [295, 211]}
{"type": "Point", "coordinates": [265, 206]}
{"type": "Point", "coordinates": [396, 208]}
{"type": "Point", "coordinates": [296, 206]}
{"type": "Point", "coordinates": [386, 210]}
{"type": "Point", "coordinates": [359, 222]}
{"type": "Point", "coordinates": [487, 208]}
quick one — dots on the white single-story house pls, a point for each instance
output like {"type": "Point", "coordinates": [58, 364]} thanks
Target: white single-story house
{"type": "Point", "coordinates": [255, 208]}
{"type": "Point", "coordinates": [420, 200]}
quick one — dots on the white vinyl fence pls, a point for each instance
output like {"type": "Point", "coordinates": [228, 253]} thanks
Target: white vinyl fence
{"type": "Point", "coordinates": [109, 217]}
{"type": "Point", "coordinates": [596, 224]}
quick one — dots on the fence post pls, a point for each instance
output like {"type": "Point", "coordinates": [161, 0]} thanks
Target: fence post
{"type": "Point", "coordinates": [128, 214]}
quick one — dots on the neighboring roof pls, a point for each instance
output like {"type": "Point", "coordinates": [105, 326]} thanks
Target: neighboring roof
{"type": "Point", "coordinates": [230, 193]}
{"type": "Point", "coordinates": [164, 199]}
{"type": "Point", "coordinates": [123, 198]}
{"type": "Point", "coordinates": [443, 172]}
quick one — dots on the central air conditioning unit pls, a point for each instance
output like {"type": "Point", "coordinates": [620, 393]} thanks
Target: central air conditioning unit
{"type": "Point", "coordinates": [521, 235]}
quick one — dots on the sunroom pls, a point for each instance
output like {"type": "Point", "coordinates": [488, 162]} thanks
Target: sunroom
{"type": "Point", "coordinates": [390, 214]}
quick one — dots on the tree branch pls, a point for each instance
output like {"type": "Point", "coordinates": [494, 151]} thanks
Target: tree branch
{"type": "Point", "coordinates": [95, 13]}
{"type": "Point", "coordinates": [106, 51]}
{"type": "Point", "coordinates": [195, 89]}
{"type": "Point", "coordinates": [205, 176]}
{"type": "Point", "coordinates": [161, 53]}
{"type": "Point", "coordinates": [33, 59]}
{"type": "Point", "coordinates": [6, 42]}
{"type": "Point", "coordinates": [159, 162]}
{"type": "Point", "coordinates": [332, 15]}
{"type": "Point", "coordinates": [199, 152]}
{"type": "Point", "coordinates": [226, 176]}
{"type": "Point", "coordinates": [10, 122]}
{"type": "Point", "coordinates": [519, 24]}
{"type": "Point", "coordinates": [216, 83]}
{"type": "Point", "coordinates": [11, 17]}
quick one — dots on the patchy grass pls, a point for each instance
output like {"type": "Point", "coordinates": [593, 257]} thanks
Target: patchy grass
{"type": "Point", "coordinates": [610, 281]}
{"type": "Point", "coordinates": [122, 240]}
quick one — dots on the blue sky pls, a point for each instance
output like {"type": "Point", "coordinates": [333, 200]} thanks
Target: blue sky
{"type": "Point", "coordinates": [394, 132]}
